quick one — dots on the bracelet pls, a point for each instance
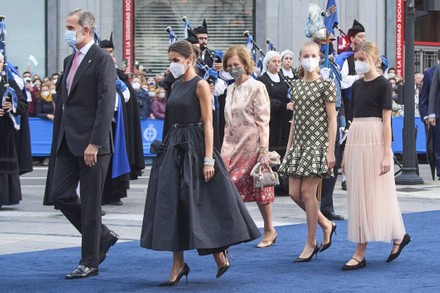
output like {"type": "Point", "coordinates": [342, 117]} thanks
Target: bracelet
{"type": "Point", "coordinates": [263, 150]}
{"type": "Point", "coordinates": [208, 162]}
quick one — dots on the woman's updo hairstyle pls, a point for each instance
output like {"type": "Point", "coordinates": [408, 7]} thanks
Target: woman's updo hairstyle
{"type": "Point", "coordinates": [183, 48]}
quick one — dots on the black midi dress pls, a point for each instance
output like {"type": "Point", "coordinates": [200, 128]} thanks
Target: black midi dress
{"type": "Point", "coordinates": [182, 211]}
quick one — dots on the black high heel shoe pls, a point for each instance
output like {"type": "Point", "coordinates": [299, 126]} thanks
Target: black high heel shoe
{"type": "Point", "coordinates": [315, 251]}
{"type": "Point", "coordinates": [325, 246]}
{"type": "Point", "coordinates": [223, 269]}
{"type": "Point", "coordinates": [183, 272]}
{"type": "Point", "coordinates": [406, 239]}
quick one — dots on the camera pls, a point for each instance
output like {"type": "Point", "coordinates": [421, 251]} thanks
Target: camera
{"type": "Point", "coordinates": [210, 79]}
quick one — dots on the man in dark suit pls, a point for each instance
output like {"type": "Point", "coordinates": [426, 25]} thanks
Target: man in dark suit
{"type": "Point", "coordinates": [429, 106]}
{"type": "Point", "coordinates": [84, 143]}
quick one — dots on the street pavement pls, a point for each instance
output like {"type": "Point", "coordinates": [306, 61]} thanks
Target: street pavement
{"type": "Point", "coordinates": [30, 226]}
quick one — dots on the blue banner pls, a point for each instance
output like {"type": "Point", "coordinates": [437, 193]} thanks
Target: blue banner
{"type": "Point", "coordinates": [151, 130]}
{"type": "Point", "coordinates": [41, 135]}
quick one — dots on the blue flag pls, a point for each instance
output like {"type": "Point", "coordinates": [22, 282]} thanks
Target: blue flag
{"type": "Point", "coordinates": [331, 16]}
{"type": "Point", "coordinates": [171, 36]}
{"type": "Point", "coordinates": [186, 28]}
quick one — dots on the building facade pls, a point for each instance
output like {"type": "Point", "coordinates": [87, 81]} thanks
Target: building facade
{"type": "Point", "coordinates": [138, 27]}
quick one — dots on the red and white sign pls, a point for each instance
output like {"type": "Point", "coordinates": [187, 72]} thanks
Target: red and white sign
{"type": "Point", "coordinates": [128, 48]}
{"type": "Point", "coordinates": [400, 37]}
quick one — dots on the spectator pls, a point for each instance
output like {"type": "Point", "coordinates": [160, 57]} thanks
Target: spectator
{"type": "Point", "coordinates": [143, 99]}
{"type": "Point", "coordinates": [45, 104]}
{"type": "Point", "coordinates": [152, 82]}
{"type": "Point", "coordinates": [46, 80]}
{"type": "Point", "coordinates": [33, 93]}
{"type": "Point", "coordinates": [159, 103]}
{"type": "Point", "coordinates": [391, 72]}
{"type": "Point", "coordinates": [55, 78]}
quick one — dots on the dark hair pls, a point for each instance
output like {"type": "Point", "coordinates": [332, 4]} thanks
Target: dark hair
{"type": "Point", "coordinates": [391, 68]}
{"type": "Point", "coordinates": [26, 72]}
{"type": "Point", "coordinates": [184, 48]}
{"type": "Point", "coordinates": [438, 54]}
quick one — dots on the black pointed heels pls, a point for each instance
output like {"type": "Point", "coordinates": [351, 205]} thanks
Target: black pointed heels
{"type": "Point", "coordinates": [306, 259]}
{"type": "Point", "coordinates": [183, 272]}
{"type": "Point", "coordinates": [223, 269]}
{"type": "Point", "coordinates": [327, 245]}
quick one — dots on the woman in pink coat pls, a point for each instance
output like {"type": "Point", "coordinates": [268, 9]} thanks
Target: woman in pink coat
{"type": "Point", "coordinates": [246, 138]}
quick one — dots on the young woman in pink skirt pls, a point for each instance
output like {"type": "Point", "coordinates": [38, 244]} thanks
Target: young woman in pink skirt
{"type": "Point", "coordinates": [373, 210]}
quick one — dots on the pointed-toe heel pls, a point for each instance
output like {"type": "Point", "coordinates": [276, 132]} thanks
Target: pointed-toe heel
{"type": "Point", "coordinates": [327, 245]}
{"type": "Point", "coordinates": [223, 269]}
{"type": "Point", "coordinates": [307, 259]}
{"type": "Point", "coordinates": [268, 243]}
{"type": "Point", "coordinates": [183, 272]}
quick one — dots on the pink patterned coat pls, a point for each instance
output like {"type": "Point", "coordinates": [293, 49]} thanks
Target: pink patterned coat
{"type": "Point", "coordinates": [247, 115]}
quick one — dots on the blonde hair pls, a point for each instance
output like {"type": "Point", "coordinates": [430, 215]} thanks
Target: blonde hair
{"type": "Point", "coordinates": [242, 53]}
{"type": "Point", "coordinates": [370, 50]}
{"type": "Point", "coordinates": [306, 45]}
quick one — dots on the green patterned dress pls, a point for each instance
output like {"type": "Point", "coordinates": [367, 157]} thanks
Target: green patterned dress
{"type": "Point", "coordinates": [307, 154]}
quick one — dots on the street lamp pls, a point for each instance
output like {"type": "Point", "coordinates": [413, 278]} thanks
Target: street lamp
{"type": "Point", "coordinates": [409, 170]}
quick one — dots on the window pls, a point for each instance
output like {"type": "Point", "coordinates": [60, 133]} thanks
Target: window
{"type": "Point", "coordinates": [226, 21]}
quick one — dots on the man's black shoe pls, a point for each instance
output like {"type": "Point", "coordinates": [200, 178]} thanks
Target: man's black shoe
{"type": "Point", "coordinates": [82, 271]}
{"type": "Point", "coordinates": [344, 185]}
{"type": "Point", "coordinates": [332, 216]}
{"type": "Point", "coordinates": [106, 242]}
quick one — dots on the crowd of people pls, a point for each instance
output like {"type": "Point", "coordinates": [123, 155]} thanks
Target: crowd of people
{"type": "Point", "coordinates": [221, 118]}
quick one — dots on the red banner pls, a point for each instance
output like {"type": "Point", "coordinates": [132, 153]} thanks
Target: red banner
{"type": "Point", "coordinates": [128, 48]}
{"type": "Point", "coordinates": [400, 37]}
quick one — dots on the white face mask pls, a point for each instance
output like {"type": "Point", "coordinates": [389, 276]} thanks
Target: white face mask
{"type": "Point", "coordinates": [136, 85]}
{"type": "Point", "coordinates": [361, 67]}
{"type": "Point", "coordinates": [45, 93]}
{"type": "Point", "coordinates": [54, 92]}
{"type": "Point", "coordinates": [177, 69]}
{"type": "Point", "coordinates": [161, 95]}
{"type": "Point", "coordinates": [391, 74]}
{"type": "Point", "coordinates": [310, 64]}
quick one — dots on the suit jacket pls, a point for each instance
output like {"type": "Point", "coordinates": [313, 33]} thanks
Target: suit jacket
{"type": "Point", "coordinates": [424, 92]}
{"type": "Point", "coordinates": [87, 111]}
{"type": "Point", "coordinates": [434, 94]}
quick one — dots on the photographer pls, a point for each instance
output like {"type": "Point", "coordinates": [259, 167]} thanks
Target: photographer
{"type": "Point", "coordinates": [33, 95]}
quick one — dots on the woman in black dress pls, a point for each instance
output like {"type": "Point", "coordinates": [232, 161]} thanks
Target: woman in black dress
{"type": "Point", "coordinates": [191, 201]}
{"type": "Point", "coordinates": [280, 109]}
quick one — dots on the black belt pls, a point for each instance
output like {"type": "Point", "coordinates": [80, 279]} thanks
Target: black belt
{"type": "Point", "coordinates": [187, 125]}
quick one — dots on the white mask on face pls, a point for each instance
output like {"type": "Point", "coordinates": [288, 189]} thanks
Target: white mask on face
{"type": "Point", "coordinates": [177, 69]}
{"type": "Point", "coordinates": [161, 95]}
{"type": "Point", "coordinates": [310, 64]}
{"type": "Point", "coordinates": [136, 85]}
{"type": "Point", "coordinates": [54, 92]}
{"type": "Point", "coordinates": [45, 93]}
{"type": "Point", "coordinates": [361, 67]}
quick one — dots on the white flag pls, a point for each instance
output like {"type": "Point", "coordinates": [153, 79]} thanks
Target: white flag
{"type": "Point", "coordinates": [33, 60]}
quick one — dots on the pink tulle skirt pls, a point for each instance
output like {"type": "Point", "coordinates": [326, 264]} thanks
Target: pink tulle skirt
{"type": "Point", "coordinates": [373, 210]}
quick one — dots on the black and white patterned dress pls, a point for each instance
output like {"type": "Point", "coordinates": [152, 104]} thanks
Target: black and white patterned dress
{"type": "Point", "coordinates": [307, 154]}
